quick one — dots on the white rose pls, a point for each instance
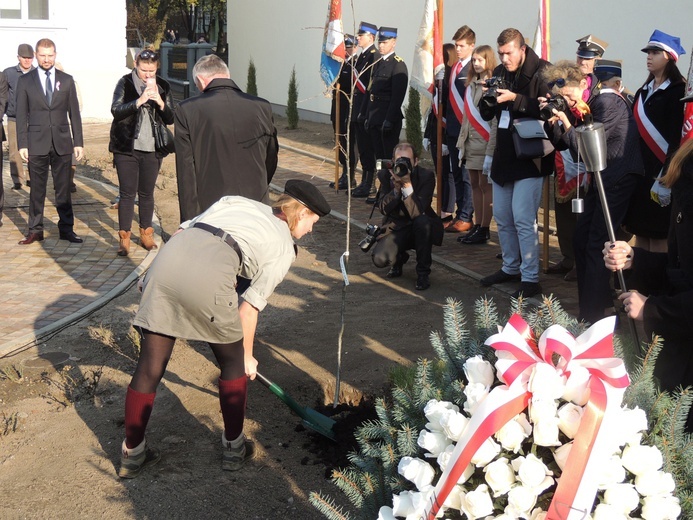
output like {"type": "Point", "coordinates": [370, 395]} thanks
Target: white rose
{"type": "Point", "coordinates": [501, 517]}
{"type": "Point", "coordinates": [576, 390]}
{"type": "Point", "coordinates": [622, 496]}
{"type": "Point", "coordinates": [385, 513]}
{"type": "Point", "coordinates": [560, 454]}
{"type": "Point", "coordinates": [433, 442]}
{"type": "Point", "coordinates": [661, 508]}
{"type": "Point", "coordinates": [608, 512]}
{"type": "Point", "coordinates": [654, 483]}
{"type": "Point", "coordinates": [477, 503]}
{"type": "Point", "coordinates": [434, 410]}
{"type": "Point", "coordinates": [453, 500]}
{"type": "Point", "coordinates": [521, 500]}
{"type": "Point", "coordinates": [610, 472]}
{"type": "Point", "coordinates": [533, 473]}
{"type": "Point", "coordinates": [480, 371]}
{"type": "Point", "coordinates": [444, 458]}
{"type": "Point", "coordinates": [475, 393]}
{"type": "Point", "coordinates": [641, 459]}
{"type": "Point", "coordinates": [538, 514]}
{"type": "Point", "coordinates": [546, 382]}
{"type": "Point", "coordinates": [417, 471]}
{"type": "Point", "coordinates": [486, 453]}
{"type": "Point", "coordinates": [500, 476]}
{"type": "Point", "coordinates": [542, 409]}
{"type": "Point", "coordinates": [420, 500]}
{"type": "Point", "coordinates": [453, 424]}
{"type": "Point", "coordinates": [546, 432]}
{"type": "Point", "coordinates": [513, 433]}
{"type": "Point", "coordinates": [402, 504]}
{"type": "Point", "coordinates": [631, 423]}
{"type": "Point", "coordinates": [569, 417]}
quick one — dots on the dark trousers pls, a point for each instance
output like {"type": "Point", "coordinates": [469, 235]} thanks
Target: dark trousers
{"type": "Point", "coordinates": [384, 142]}
{"type": "Point", "coordinates": [463, 184]}
{"type": "Point", "coordinates": [418, 235]}
{"type": "Point", "coordinates": [60, 169]}
{"type": "Point", "coordinates": [137, 175]}
{"type": "Point", "coordinates": [566, 221]}
{"type": "Point", "coordinates": [353, 152]}
{"type": "Point", "coordinates": [2, 188]}
{"type": "Point", "coordinates": [594, 289]}
{"type": "Point", "coordinates": [365, 146]}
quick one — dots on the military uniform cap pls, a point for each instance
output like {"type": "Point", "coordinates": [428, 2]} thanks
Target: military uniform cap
{"type": "Point", "coordinates": [387, 33]}
{"type": "Point", "coordinates": [590, 47]}
{"type": "Point", "coordinates": [308, 195]}
{"type": "Point", "coordinates": [365, 27]}
{"type": "Point", "coordinates": [607, 69]}
{"type": "Point", "coordinates": [25, 51]}
{"type": "Point", "coordinates": [348, 40]}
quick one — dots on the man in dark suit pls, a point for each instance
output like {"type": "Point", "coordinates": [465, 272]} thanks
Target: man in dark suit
{"type": "Point", "coordinates": [409, 222]}
{"type": "Point", "coordinates": [226, 141]}
{"type": "Point", "coordinates": [389, 83]}
{"type": "Point", "coordinates": [46, 97]}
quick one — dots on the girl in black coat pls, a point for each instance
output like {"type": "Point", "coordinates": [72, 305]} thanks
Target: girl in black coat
{"type": "Point", "coordinates": [664, 281]}
{"type": "Point", "coordinates": [139, 99]}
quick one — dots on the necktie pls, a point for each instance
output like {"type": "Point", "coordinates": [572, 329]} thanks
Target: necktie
{"type": "Point", "coordinates": [49, 87]}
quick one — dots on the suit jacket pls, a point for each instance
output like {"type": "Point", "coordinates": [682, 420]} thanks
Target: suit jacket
{"type": "Point", "coordinates": [389, 82]}
{"type": "Point", "coordinates": [226, 144]}
{"type": "Point", "coordinates": [363, 67]}
{"type": "Point", "coordinates": [40, 125]}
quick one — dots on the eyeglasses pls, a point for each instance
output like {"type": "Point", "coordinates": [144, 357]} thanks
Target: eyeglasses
{"type": "Point", "coordinates": [560, 83]}
{"type": "Point", "coordinates": [148, 55]}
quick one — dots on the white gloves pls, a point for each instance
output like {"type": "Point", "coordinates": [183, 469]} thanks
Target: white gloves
{"type": "Point", "coordinates": [426, 144]}
{"type": "Point", "coordinates": [660, 194]}
{"type": "Point", "coordinates": [445, 150]}
{"type": "Point", "coordinates": [488, 161]}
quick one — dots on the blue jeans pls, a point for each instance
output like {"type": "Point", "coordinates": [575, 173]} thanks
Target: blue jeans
{"type": "Point", "coordinates": [515, 207]}
{"type": "Point", "coordinates": [463, 185]}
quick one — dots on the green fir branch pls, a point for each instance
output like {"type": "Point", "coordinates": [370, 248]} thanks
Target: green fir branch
{"type": "Point", "coordinates": [327, 507]}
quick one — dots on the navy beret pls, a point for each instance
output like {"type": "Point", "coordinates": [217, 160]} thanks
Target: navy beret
{"type": "Point", "coordinates": [308, 195]}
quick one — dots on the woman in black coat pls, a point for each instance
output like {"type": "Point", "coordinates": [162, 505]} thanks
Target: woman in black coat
{"type": "Point", "coordinates": [139, 99]}
{"type": "Point", "coordinates": [623, 169]}
{"type": "Point", "coordinates": [664, 281]}
{"type": "Point", "coordinates": [658, 111]}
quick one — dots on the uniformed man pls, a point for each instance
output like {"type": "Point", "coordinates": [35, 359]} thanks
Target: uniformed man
{"type": "Point", "coordinates": [590, 48]}
{"type": "Point", "coordinates": [610, 73]}
{"type": "Point", "coordinates": [363, 67]}
{"type": "Point", "coordinates": [343, 128]}
{"type": "Point", "coordinates": [386, 92]}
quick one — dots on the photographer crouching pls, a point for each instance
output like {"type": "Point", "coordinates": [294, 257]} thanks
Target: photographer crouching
{"type": "Point", "coordinates": [409, 222]}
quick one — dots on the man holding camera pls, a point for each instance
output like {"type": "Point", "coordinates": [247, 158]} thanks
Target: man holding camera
{"type": "Point", "coordinates": [517, 183]}
{"type": "Point", "coordinates": [409, 222]}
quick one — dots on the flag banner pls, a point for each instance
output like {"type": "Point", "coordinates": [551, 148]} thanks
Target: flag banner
{"type": "Point", "coordinates": [428, 54]}
{"type": "Point", "coordinates": [333, 50]}
{"type": "Point", "coordinates": [687, 130]}
{"type": "Point", "coordinates": [542, 36]}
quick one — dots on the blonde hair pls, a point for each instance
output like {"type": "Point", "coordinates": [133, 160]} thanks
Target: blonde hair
{"type": "Point", "coordinates": [486, 52]}
{"type": "Point", "coordinates": [682, 155]}
{"type": "Point", "coordinates": [291, 208]}
{"type": "Point", "coordinates": [566, 70]}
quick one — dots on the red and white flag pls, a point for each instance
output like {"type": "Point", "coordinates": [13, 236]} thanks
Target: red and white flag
{"type": "Point", "coordinates": [428, 53]}
{"type": "Point", "coordinates": [687, 130]}
{"type": "Point", "coordinates": [542, 36]}
{"type": "Point", "coordinates": [333, 49]}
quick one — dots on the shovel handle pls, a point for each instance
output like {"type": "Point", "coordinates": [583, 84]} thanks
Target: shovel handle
{"type": "Point", "coordinates": [276, 390]}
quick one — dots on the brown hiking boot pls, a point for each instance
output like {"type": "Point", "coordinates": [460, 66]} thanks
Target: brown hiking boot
{"type": "Point", "coordinates": [134, 460]}
{"type": "Point", "coordinates": [234, 458]}
{"type": "Point", "coordinates": [147, 238]}
{"type": "Point", "coordinates": [124, 246]}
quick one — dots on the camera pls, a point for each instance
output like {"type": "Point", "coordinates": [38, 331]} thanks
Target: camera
{"type": "Point", "coordinates": [372, 232]}
{"type": "Point", "coordinates": [492, 84]}
{"type": "Point", "coordinates": [558, 102]}
{"type": "Point", "coordinates": [401, 167]}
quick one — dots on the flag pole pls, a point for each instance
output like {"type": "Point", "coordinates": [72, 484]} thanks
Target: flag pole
{"type": "Point", "coordinates": [439, 122]}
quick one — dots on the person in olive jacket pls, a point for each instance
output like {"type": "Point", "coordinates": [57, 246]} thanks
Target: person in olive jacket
{"type": "Point", "coordinates": [140, 98]}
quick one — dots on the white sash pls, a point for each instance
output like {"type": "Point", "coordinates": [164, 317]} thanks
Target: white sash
{"type": "Point", "coordinates": [653, 139]}
{"type": "Point", "coordinates": [455, 97]}
{"type": "Point", "coordinates": [471, 112]}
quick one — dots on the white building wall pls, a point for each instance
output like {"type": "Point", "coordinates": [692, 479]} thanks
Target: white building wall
{"type": "Point", "coordinates": [90, 39]}
{"type": "Point", "coordinates": [279, 34]}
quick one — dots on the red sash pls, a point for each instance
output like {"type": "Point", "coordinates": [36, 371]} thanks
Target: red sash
{"type": "Point", "coordinates": [471, 112]}
{"type": "Point", "coordinates": [455, 97]}
{"type": "Point", "coordinates": [653, 139]}
{"type": "Point", "coordinates": [357, 81]}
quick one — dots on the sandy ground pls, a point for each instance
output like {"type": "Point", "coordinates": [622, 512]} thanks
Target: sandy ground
{"type": "Point", "coordinates": [60, 430]}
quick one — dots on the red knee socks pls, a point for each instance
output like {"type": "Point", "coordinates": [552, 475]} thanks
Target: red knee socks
{"type": "Point", "coordinates": [138, 408]}
{"type": "Point", "coordinates": [232, 398]}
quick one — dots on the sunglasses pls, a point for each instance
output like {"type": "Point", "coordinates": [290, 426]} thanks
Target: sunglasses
{"type": "Point", "coordinates": [148, 55]}
{"type": "Point", "coordinates": [560, 83]}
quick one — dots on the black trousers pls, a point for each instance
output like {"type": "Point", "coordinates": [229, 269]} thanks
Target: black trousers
{"type": "Point", "coordinates": [353, 152]}
{"type": "Point", "coordinates": [60, 169]}
{"type": "Point", "coordinates": [566, 221]}
{"type": "Point", "coordinates": [594, 289]}
{"type": "Point", "coordinates": [384, 142]}
{"type": "Point", "coordinates": [137, 175]}
{"type": "Point", "coordinates": [365, 146]}
{"type": "Point", "coordinates": [390, 247]}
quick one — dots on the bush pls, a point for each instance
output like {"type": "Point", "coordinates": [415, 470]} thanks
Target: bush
{"type": "Point", "coordinates": [292, 103]}
{"type": "Point", "coordinates": [251, 87]}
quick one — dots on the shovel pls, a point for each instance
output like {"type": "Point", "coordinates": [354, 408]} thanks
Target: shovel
{"type": "Point", "coordinates": [311, 419]}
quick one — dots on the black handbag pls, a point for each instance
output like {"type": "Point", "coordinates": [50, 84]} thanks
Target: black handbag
{"type": "Point", "coordinates": [530, 139]}
{"type": "Point", "coordinates": [163, 137]}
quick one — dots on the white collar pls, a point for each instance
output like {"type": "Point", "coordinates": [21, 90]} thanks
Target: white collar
{"type": "Point", "coordinates": [386, 56]}
{"type": "Point", "coordinates": [663, 86]}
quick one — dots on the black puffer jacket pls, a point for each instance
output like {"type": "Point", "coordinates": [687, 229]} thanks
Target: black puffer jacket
{"type": "Point", "coordinates": [126, 120]}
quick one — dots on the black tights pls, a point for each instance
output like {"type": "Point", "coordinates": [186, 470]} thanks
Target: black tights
{"type": "Point", "coordinates": [156, 352]}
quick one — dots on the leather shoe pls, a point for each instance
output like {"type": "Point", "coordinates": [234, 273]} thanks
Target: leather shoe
{"type": "Point", "coordinates": [394, 272]}
{"type": "Point", "coordinates": [71, 237]}
{"type": "Point", "coordinates": [422, 282]}
{"type": "Point", "coordinates": [571, 275]}
{"type": "Point", "coordinates": [31, 238]}
{"type": "Point", "coordinates": [499, 276]}
{"type": "Point", "coordinates": [17, 186]}
{"type": "Point", "coordinates": [527, 290]}
{"type": "Point", "coordinates": [559, 268]}
{"type": "Point", "coordinates": [459, 226]}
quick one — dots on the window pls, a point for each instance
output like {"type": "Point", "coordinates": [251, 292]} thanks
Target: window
{"type": "Point", "coordinates": [24, 9]}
